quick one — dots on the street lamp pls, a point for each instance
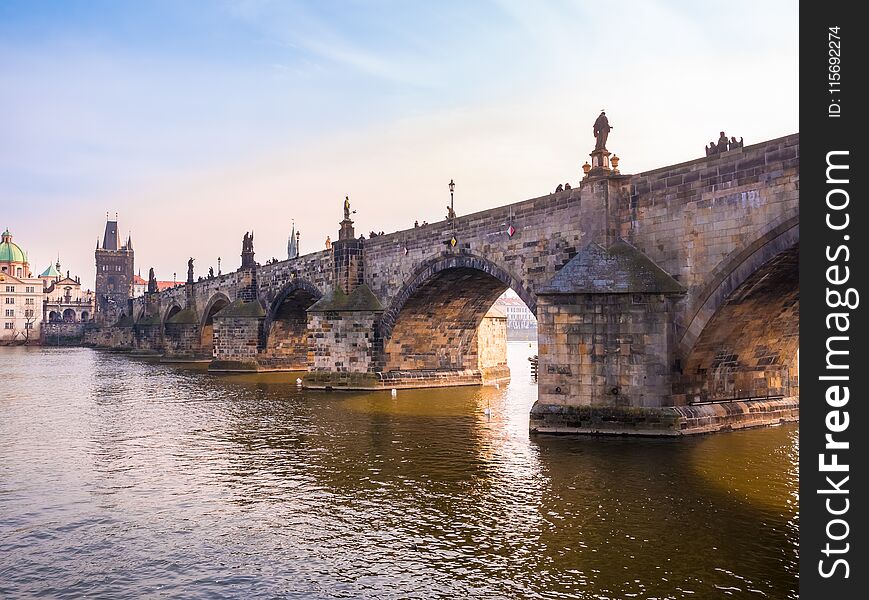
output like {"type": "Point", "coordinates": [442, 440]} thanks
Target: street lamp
{"type": "Point", "coordinates": [218, 266]}
{"type": "Point", "coordinates": [452, 203]}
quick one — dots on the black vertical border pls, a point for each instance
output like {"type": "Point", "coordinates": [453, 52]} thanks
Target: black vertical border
{"type": "Point", "coordinates": [820, 134]}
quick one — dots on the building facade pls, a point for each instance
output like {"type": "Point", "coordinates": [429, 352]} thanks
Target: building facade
{"type": "Point", "coordinates": [519, 316]}
{"type": "Point", "coordinates": [64, 299]}
{"type": "Point", "coordinates": [20, 295]}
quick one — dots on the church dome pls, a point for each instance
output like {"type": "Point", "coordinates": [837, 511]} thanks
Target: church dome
{"type": "Point", "coordinates": [51, 271]}
{"type": "Point", "coordinates": [10, 251]}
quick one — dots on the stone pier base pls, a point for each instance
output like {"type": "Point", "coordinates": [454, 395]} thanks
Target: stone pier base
{"type": "Point", "coordinates": [663, 421]}
{"type": "Point", "coordinates": [321, 380]}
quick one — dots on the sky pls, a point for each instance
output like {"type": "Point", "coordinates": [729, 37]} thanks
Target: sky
{"type": "Point", "coordinates": [196, 121]}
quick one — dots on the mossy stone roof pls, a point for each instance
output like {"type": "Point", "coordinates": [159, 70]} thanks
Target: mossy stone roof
{"type": "Point", "coordinates": [619, 269]}
{"type": "Point", "coordinates": [359, 300]}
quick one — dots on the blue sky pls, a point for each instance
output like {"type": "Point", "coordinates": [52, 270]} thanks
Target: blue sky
{"type": "Point", "coordinates": [197, 120]}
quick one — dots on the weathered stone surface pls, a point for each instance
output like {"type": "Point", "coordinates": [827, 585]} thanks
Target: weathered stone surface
{"type": "Point", "coordinates": [60, 333]}
{"type": "Point", "coordinates": [662, 421]}
{"type": "Point", "coordinates": [707, 226]}
{"type": "Point", "coordinates": [619, 269]}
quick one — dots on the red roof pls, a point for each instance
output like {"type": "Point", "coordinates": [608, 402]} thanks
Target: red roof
{"type": "Point", "coordinates": [161, 285]}
{"type": "Point", "coordinates": [510, 302]}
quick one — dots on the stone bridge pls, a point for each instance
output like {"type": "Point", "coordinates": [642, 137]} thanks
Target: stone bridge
{"type": "Point", "coordinates": [666, 300]}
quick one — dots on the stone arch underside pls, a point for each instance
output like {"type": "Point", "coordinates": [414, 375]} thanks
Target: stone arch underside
{"type": "Point", "coordinates": [170, 312]}
{"type": "Point", "coordinates": [728, 276]}
{"type": "Point", "coordinates": [285, 331]}
{"type": "Point", "coordinates": [433, 323]}
{"type": "Point", "coordinates": [748, 349]}
{"type": "Point", "coordinates": [215, 304]}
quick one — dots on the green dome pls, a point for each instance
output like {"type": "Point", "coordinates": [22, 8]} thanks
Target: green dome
{"type": "Point", "coordinates": [50, 271]}
{"type": "Point", "coordinates": [10, 251]}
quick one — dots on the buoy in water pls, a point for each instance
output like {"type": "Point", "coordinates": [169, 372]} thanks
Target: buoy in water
{"type": "Point", "coordinates": [299, 381]}
{"type": "Point", "coordinates": [394, 392]}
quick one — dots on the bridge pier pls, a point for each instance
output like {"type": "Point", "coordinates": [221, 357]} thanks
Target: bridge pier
{"type": "Point", "coordinates": [606, 340]}
{"type": "Point", "coordinates": [148, 330]}
{"type": "Point", "coordinates": [345, 349]}
{"type": "Point", "coordinates": [182, 337]}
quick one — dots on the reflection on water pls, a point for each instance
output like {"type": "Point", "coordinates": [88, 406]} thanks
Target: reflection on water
{"type": "Point", "coordinates": [126, 478]}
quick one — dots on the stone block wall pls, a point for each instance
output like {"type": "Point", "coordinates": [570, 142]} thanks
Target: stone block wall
{"type": "Point", "coordinates": [605, 349]}
{"type": "Point", "coordinates": [62, 334]}
{"type": "Point", "coordinates": [492, 347]}
{"type": "Point", "coordinates": [182, 340]}
{"type": "Point", "coordinates": [117, 338]}
{"type": "Point", "coordinates": [236, 340]}
{"type": "Point", "coordinates": [748, 349]}
{"type": "Point", "coordinates": [148, 336]}
{"type": "Point", "coordinates": [700, 219]}
{"type": "Point", "coordinates": [343, 342]}
{"type": "Point", "coordinates": [287, 344]}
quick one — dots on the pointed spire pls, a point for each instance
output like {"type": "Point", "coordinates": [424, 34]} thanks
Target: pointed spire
{"type": "Point", "coordinates": [293, 242]}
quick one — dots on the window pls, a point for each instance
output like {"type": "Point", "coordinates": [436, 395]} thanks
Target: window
{"type": "Point", "coordinates": [29, 300]}
{"type": "Point", "coordinates": [10, 312]}
{"type": "Point", "coordinates": [10, 288]}
{"type": "Point", "coordinates": [28, 312]}
{"type": "Point", "coordinates": [10, 300]}
{"type": "Point", "coordinates": [28, 326]}
{"type": "Point", "coordinates": [9, 325]}
{"type": "Point", "coordinates": [19, 271]}
{"type": "Point", "coordinates": [30, 289]}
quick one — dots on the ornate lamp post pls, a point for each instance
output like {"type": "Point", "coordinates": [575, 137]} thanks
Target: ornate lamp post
{"type": "Point", "coordinates": [218, 266]}
{"type": "Point", "coordinates": [452, 202]}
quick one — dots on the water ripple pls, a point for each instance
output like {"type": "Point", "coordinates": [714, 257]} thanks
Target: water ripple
{"type": "Point", "coordinates": [138, 479]}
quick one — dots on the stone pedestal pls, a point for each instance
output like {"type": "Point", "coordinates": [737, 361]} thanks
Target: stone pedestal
{"type": "Point", "coordinates": [600, 162]}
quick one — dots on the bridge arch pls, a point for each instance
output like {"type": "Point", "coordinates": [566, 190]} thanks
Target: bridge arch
{"type": "Point", "coordinates": [744, 340]}
{"type": "Point", "coordinates": [432, 322]}
{"type": "Point", "coordinates": [170, 312]}
{"type": "Point", "coordinates": [215, 304]}
{"type": "Point", "coordinates": [284, 339]}
{"type": "Point", "coordinates": [731, 273]}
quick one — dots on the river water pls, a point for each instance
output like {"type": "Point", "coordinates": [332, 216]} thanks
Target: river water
{"type": "Point", "coordinates": [123, 478]}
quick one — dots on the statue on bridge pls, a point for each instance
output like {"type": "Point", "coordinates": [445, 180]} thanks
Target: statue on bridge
{"type": "Point", "coordinates": [346, 231]}
{"type": "Point", "coordinates": [601, 129]}
{"type": "Point", "coordinates": [190, 270]}
{"type": "Point", "coordinates": [247, 242]}
{"type": "Point", "coordinates": [247, 261]}
{"type": "Point", "coordinates": [152, 281]}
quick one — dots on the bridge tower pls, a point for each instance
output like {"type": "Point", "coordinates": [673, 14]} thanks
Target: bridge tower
{"type": "Point", "coordinates": [114, 280]}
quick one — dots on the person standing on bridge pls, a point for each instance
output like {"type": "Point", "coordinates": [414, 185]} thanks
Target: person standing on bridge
{"type": "Point", "coordinates": [601, 129]}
